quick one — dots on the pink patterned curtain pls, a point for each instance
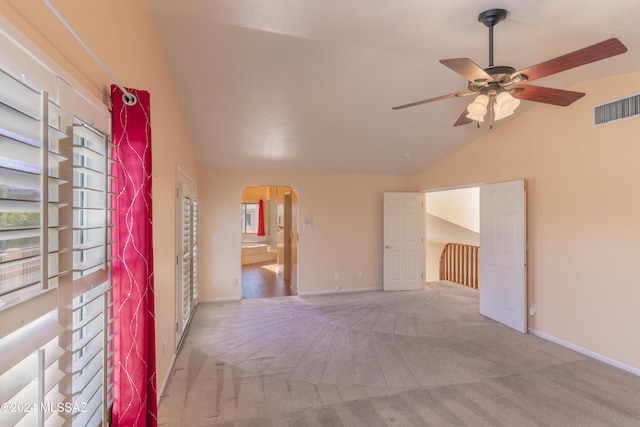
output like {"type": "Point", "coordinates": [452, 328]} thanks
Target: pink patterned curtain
{"type": "Point", "coordinates": [135, 401]}
{"type": "Point", "coordinates": [261, 218]}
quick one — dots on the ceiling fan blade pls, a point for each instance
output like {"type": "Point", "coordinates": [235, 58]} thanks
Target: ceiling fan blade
{"type": "Point", "coordinates": [548, 95]}
{"type": "Point", "coordinates": [587, 55]}
{"type": "Point", "coordinates": [425, 101]}
{"type": "Point", "coordinates": [466, 68]}
{"type": "Point", "coordinates": [463, 119]}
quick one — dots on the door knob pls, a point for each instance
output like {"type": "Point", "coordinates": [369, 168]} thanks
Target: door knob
{"type": "Point", "coordinates": [387, 247]}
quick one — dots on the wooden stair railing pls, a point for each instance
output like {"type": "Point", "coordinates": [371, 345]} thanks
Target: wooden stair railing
{"type": "Point", "coordinates": [459, 264]}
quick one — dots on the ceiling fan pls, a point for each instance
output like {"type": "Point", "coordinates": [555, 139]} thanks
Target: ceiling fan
{"type": "Point", "coordinates": [499, 89]}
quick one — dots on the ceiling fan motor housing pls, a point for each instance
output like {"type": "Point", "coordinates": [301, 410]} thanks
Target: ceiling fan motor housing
{"type": "Point", "coordinates": [500, 75]}
{"type": "Point", "coordinates": [492, 16]}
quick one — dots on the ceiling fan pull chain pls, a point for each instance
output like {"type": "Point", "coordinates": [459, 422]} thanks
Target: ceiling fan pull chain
{"type": "Point", "coordinates": [492, 102]}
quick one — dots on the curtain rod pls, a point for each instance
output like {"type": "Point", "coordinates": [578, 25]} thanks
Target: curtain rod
{"type": "Point", "coordinates": [127, 96]}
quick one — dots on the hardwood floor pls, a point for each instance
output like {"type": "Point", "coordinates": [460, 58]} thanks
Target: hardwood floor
{"type": "Point", "coordinates": [262, 281]}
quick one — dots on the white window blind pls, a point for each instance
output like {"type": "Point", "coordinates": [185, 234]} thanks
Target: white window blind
{"type": "Point", "coordinates": [92, 360]}
{"type": "Point", "coordinates": [54, 263]}
{"type": "Point", "coordinates": [92, 329]}
{"type": "Point", "coordinates": [187, 260]}
{"type": "Point", "coordinates": [30, 378]}
{"type": "Point", "coordinates": [90, 200]}
{"type": "Point", "coordinates": [194, 250]}
{"type": "Point", "coordinates": [31, 220]}
{"type": "Point", "coordinates": [30, 188]}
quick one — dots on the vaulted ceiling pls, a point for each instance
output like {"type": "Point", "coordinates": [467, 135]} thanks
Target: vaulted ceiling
{"type": "Point", "coordinates": [309, 85]}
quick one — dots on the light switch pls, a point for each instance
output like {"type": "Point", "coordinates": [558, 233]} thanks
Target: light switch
{"type": "Point", "coordinates": [308, 222]}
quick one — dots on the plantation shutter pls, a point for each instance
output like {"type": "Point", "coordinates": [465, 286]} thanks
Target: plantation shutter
{"type": "Point", "coordinates": [92, 349]}
{"type": "Point", "coordinates": [187, 260]}
{"type": "Point", "coordinates": [31, 186]}
{"type": "Point", "coordinates": [56, 361]}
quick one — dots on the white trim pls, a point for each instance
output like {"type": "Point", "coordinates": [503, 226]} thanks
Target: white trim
{"type": "Point", "coordinates": [454, 187]}
{"type": "Point", "coordinates": [225, 299]}
{"type": "Point", "coordinates": [180, 171]}
{"type": "Point", "coordinates": [605, 359]}
{"type": "Point", "coordinates": [23, 43]}
{"type": "Point", "coordinates": [166, 378]}
{"type": "Point", "coordinates": [341, 291]}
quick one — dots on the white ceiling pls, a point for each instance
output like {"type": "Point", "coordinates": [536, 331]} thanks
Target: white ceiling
{"type": "Point", "coordinates": [309, 84]}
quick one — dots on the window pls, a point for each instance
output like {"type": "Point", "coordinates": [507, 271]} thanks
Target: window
{"type": "Point", "coordinates": [250, 218]}
{"type": "Point", "coordinates": [55, 288]}
{"type": "Point", "coordinates": [30, 187]}
{"type": "Point", "coordinates": [32, 216]}
{"type": "Point", "coordinates": [92, 330]}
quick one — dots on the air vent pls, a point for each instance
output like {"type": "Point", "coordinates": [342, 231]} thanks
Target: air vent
{"type": "Point", "coordinates": [616, 110]}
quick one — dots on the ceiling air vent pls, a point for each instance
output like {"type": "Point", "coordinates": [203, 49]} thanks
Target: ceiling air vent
{"type": "Point", "coordinates": [616, 110]}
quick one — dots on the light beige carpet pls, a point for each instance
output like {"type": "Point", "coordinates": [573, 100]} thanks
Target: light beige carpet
{"type": "Point", "coordinates": [421, 358]}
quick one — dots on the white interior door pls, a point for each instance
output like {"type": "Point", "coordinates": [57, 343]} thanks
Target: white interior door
{"type": "Point", "coordinates": [403, 241]}
{"type": "Point", "coordinates": [503, 289]}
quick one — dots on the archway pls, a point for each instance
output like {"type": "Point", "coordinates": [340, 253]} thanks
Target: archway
{"type": "Point", "coordinates": [269, 241]}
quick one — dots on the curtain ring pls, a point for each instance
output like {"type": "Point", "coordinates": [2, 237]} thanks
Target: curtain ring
{"type": "Point", "coordinates": [129, 99]}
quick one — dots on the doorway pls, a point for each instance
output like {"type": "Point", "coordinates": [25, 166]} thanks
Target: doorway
{"type": "Point", "coordinates": [502, 252]}
{"type": "Point", "coordinates": [451, 217]}
{"type": "Point", "coordinates": [269, 241]}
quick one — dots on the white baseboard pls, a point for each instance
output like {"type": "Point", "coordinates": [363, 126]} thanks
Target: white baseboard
{"type": "Point", "coordinates": [166, 378]}
{"type": "Point", "coordinates": [225, 299]}
{"type": "Point", "coordinates": [607, 360]}
{"type": "Point", "coordinates": [341, 291]}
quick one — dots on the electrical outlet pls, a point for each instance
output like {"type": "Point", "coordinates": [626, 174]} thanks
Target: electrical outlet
{"type": "Point", "coordinates": [214, 283]}
{"type": "Point", "coordinates": [336, 276]}
{"type": "Point", "coordinates": [235, 282]}
{"type": "Point", "coordinates": [532, 309]}
{"type": "Point", "coordinates": [360, 275]}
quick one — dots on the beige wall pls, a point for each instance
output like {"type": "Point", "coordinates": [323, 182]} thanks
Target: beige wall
{"type": "Point", "coordinates": [123, 36]}
{"type": "Point", "coordinates": [460, 206]}
{"type": "Point", "coordinates": [583, 210]}
{"type": "Point", "coordinates": [255, 194]}
{"type": "Point", "coordinates": [432, 252]}
{"type": "Point", "coordinates": [346, 236]}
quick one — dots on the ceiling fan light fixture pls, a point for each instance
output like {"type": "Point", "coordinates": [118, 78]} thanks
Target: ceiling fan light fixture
{"type": "Point", "coordinates": [477, 117]}
{"type": "Point", "coordinates": [479, 106]}
{"type": "Point", "coordinates": [499, 115]}
{"type": "Point", "coordinates": [506, 104]}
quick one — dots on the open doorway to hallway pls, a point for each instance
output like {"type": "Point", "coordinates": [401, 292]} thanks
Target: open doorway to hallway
{"type": "Point", "coordinates": [269, 241]}
{"type": "Point", "coordinates": [498, 267]}
{"type": "Point", "coordinates": [452, 235]}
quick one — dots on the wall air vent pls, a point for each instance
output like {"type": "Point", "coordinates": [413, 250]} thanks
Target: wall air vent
{"type": "Point", "coordinates": [616, 110]}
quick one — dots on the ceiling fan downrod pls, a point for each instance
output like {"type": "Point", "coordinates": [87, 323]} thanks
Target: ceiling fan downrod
{"type": "Point", "coordinates": [490, 18]}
